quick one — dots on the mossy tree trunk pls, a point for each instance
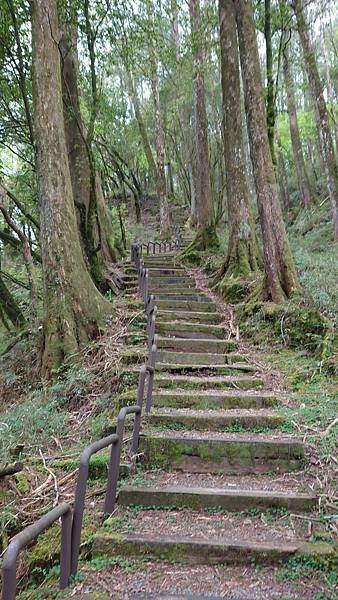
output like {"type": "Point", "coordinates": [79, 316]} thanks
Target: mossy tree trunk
{"type": "Point", "coordinates": [242, 254]}
{"type": "Point", "coordinates": [206, 235]}
{"type": "Point", "coordinates": [270, 86]}
{"type": "Point", "coordinates": [161, 183]}
{"type": "Point", "coordinates": [96, 233]}
{"type": "Point", "coordinates": [302, 176]}
{"type": "Point", "coordinates": [74, 308]}
{"type": "Point", "coordinates": [321, 113]}
{"type": "Point", "coordinates": [9, 307]}
{"type": "Point", "coordinates": [281, 277]}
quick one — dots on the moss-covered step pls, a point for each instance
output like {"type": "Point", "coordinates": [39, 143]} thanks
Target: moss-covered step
{"type": "Point", "coordinates": [204, 318]}
{"type": "Point", "coordinates": [167, 271]}
{"type": "Point", "coordinates": [216, 420]}
{"type": "Point", "coordinates": [199, 551]}
{"type": "Point", "coordinates": [197, 358]}
{"type": "Point", "coordinates": [216, 369]}
{"type": "Point", "coordinates": [177, 280]}
{"type": "Point", "coordinates": [195, 344]}
{"type": "Point", "coordinates": [244, 382]}
{"type": "Point", "coordinates": [191, 330]}
{"type": "Point", "coordinates": [186, 305]}
{"type": "Point", "coordinates": [179, 294]}
{"type": "Point", "coordinates": [201, 498]}
{"type": "Point", "coordinates": [212, 399]}
{"type": "Point", "coordinates": [236, 453]}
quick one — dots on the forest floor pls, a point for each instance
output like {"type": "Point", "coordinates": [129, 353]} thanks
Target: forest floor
{"type": "Point", "coordinates": [47, 426]}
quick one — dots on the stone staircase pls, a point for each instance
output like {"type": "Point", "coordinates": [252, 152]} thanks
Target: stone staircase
{"type": "Point", "coordinates": [216, 473]}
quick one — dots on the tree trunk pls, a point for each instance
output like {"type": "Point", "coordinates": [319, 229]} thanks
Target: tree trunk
{"type": "Point", "coordinates": [206, 235]}
{"type": "Point", "coordinates": [161, 184]}
{"type": "Point", "coordinates": [142, 128]}
{"type": "Point", "coordinates": [282, 175]}
{"type": "Point", "coordinates": [270, 95]}
{"type": "Point", "coordinates": [96, 234]}
{"type": "Point", "coordinates": [281, 278]}
{"type": "Point", "coordinates": [9, 306]}
{"type": "Point", "coordinates": [241, 257]}
{"type": "Point", "coordinates": [302, 176]}
{"type": "Point", "coordinates": [74, 308]}
{"type": "Point", "coordinates": [322, 118]}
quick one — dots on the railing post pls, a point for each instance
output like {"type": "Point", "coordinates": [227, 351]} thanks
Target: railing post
{"type": "Point", "coordinates": [151, 370]}
{"type": "Point", "coordinates": [146, 287]}
{"type": "Point", "coordinates": [139, 402]}
{"type": "Point", "coordinates": [152, 329]}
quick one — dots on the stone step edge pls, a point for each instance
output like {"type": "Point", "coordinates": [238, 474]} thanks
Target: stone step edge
{"type": "Point", "coordinates": [196, 498]}
{"type": "Point", "coordinates": [200, 551]}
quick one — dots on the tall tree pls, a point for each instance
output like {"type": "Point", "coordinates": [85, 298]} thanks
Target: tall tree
{"type": "Point", "coordinates": [321, 113]}
{"type": "Point", "coordinates": [241, 256]}
{"type": "Point", "coordinates": [301, 172]}
{"type": "Point", "coordinates": [206, 235]}
{"type": "Point", "coordinates": [161, 184]}
{"type": "Point", "coordinates": [96, 234]}
{"type": "Point", "coordinates": [281, 278]}
{"type": "Point", "coordinates": [270, 86]}
{"type": "Point", "coordinates": [74, 308]}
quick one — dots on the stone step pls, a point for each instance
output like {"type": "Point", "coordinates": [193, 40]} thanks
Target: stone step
{"type": "Point", "coordinates": [175, 290]}
{"type": "Point", "coordinates": [198, 358]}
{"type": "Point", "coordinates": [215, 420]}
{"type": "Point", "coordinates": [237, 453]}
{"type": "Point", "coordinates": [201, 498]}
{"type": "Point", "coordinates": [169, 280]}
{"type": "Point", "coordinates": [191, 330]}
{"type": "Point", "coordinates": [194, 344]}
{"type": "Point", "coordinates": [212, 399]}
{"type": "Point", "coordinates": [216, 369]}
{"type": "Point", "coordinates": [186, 305]}
{"type": "Point", "coordinates": [199, 551]}
{"type": "Point", "coordinates": [185, 296]}
{"type": "Point", "coordinates": [212, 382]}
{"type": "Point", "coordinates": [171, 316]}
{"type": "Point", "coordinates": [167, 271]}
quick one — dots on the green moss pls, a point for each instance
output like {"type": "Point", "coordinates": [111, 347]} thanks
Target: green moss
{"type": "Point", "coordinates": [22, 482]}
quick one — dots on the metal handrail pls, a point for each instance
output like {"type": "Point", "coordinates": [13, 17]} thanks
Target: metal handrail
{"type": "Point", "coordinates": [26, 536]}
{"type": "Point", "coordinates": [80, 493]}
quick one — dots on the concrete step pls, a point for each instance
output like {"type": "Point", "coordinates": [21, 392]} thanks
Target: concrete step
{"type": "Point", "coordinates": [185, 296]}
{"type": "Point", "coordinates": [199, 551]}
{"type": "Point", "coordinates": [175, 290]}
{"type": "Point", "coordinates": [170, 281]}
{"type": "Point", "coordinates": [167, 271]}
{"type": "Point", "coordinates": [213, 399]}
{"type": "Point", "coordinates": [191, 330]}
{"type": "Point", "coordinates": [215, 420]}
{"type": "Point", "coordinates": [237, 453]}
{"type": "Point", "coordinates": [207, 369]}
{"type": "Point", "coordinates": [198, 358]}
{"type": "Point", "coordinates": [244, 382]}
{"type": "Point", "coordinates": [204, 318]}
{"type": "Point", "coordinates": [201, 498]}
{"type": "Point", "coordinates": [194, 344]}
{"type": "Point", "coordinates": [179, 304]}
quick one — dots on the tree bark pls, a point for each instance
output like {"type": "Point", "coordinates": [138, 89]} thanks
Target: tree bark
{"type": "Point", "coordinates": [321, 113]}
{"type": "Point", "coordinates": [241, 257]}
{"type": "Point", "coordinates": [74, 308]}
{"type": "Point", "coordinates": [270, 86]}
{"type": "Point", "coordinates": [281, 278]}
{"type": "Point", "coordinates": [9, 306]}
{"type": "Point", "coordinates": [302, 176]}
{"type": "Point", "coordinates": [206, 235]}
{"type": "Point", "coordinates": [97, 236]}
{"type": "Point", "coordinates": [161, 184]}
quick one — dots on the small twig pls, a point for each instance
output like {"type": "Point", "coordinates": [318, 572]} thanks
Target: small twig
{"type": "Point", "coordinates": [56, 487]}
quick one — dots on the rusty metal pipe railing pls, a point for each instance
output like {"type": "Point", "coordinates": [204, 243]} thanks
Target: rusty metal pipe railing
{"type": "Point", "coordinates": [151, 371]}
{"type": "Point", "coordinates": [152, 329]}
{"type": "Point", "coordinates": [113, 472]}
{"type": "Point", "coordinates": [139, 402]}
{"type": "Point", "coordinates": [80, 493]}
{"type": "Point", "coordinates": [28, 535]}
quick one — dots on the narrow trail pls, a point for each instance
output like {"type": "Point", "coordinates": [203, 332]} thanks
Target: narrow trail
{"type": "Point", "coordinates": [217, 476]}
